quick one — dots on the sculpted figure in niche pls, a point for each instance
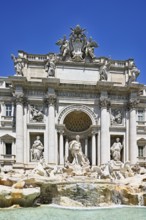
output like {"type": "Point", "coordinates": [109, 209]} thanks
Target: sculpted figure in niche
{"type": "Point", "coordinates": [116, 150]}
{"type": "Point", "coordinates": [116, 117]}
{"type": "Point", "coordinates": [37, 149]}
{"type": "Point", "coordinates": [36, 115]}
{"type": "Point", "coordinates": [76, 156]}
{"type": "Point", "coordinates": [18, 65]}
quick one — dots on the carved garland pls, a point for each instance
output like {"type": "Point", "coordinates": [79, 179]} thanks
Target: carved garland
{"type": "Point", "coordinates": [82, 108]}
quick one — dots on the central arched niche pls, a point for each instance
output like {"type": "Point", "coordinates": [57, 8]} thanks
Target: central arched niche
{"type": "Point", "coordinates": [77, 121]}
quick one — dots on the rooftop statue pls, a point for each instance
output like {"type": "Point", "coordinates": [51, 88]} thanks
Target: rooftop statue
{"type": "Point", "coordinates": [64, 46]}
{"type": "Point", "coordinates": [77, 48]}
{"type": "Point", "coordinates": [18, 64]}
{"type": "Point", "coordinates": [50, 66]}
{"type": "Point", "coordinates": [133, 74]}
{"type": "Point", "coordinates": [103, 71]}
{"type": "Point", "coordinates": [89, 48]}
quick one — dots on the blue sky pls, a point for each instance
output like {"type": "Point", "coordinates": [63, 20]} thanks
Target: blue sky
{"type": "Point", "coordinates": [34, 26]}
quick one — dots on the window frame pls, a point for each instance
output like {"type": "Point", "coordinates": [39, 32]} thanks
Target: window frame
{"type": "Point", "coordinates": [8, 112]}
{"type": "Point", "coordinates": [140, 115]}
{"type": "Point", "coordinates": [140, 151]}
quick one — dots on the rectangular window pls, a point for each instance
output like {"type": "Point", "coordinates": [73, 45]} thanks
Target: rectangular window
{"type": "Point", "coordinates": [140, 151]}
{"type": "Point", "coordinates": [140, 115]}
{"type": "Point", "coordinates": [8, 148]}
{"type": "Point", "coordinates": [8, 109]}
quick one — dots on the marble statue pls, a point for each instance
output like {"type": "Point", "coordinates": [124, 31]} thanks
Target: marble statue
{"type": "Point", "coordinates": [18, 65]}
{"type": "Point", "coordinates": [116, 150]}
{"type": "Point", "coordinates": [36, 115]}
{"type": "Point", "coordinates": [64, 46]}
{"type": "Point", "coordinates": [77, 48]}
{"type": "Point", "coordinates": [76, 156]}
{"type": "Point", "coordinates": [37, 149]}
{"type": "Point", "coordinates": [50, 67]}
{"type": "Point", "coordinates": [103, 71]}
{"type": "Point", "coordinates": [136, 168]}
{"type": "Point", "coordinates": [133, 74]}
{"type": "Point", "coordinates": [116, 117]}
{"type": "Point", "coordinates": [89, 48]}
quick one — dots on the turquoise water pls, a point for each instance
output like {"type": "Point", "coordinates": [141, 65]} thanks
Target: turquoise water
{"type": "Point", "coordinates": [55, 213]}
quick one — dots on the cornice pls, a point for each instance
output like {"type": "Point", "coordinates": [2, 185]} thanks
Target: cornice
{"type": "Point", "coordinates": [51, 82]}
{"type": "Point", "coordinates": [18, 80]}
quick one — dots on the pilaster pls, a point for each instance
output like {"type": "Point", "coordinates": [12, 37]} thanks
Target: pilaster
{"type": "Point", "coordinates": [133, 149]}
{"type": "Point", "coordinates": [104, 137]}
{"type": "Point", "coordinates": [51, 151]}
{"type": "Point", "coordinates": [61, 147]}
{"type": "Point", "coordinates": [93, 148]}
{"type": "Point", "coordinates": [19, 98]}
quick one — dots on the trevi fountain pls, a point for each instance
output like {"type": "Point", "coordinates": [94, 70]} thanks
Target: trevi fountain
{"type": "Point", "coordinates": [72, 141]}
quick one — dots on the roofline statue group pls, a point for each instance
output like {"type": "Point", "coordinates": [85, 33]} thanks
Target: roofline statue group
{"type": "Point", "coordinates": [77, 48]}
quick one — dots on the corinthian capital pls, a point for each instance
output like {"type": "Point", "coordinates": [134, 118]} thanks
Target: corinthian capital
{"type": "Point", "coordinates": [104, 102]}
{"type": "Point", "coordinates": [50, 99]}
{"type": "Point", "coordinates": [133, 102]}
{"type": "Point", "coordinates": [19, 97]}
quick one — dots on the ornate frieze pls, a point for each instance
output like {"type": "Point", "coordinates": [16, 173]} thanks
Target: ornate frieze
{"type": "Point", "coordinates": [118, 97]}
{"type": "Point", "coordinates": [35, 93]}
{"type": "Point", "coordinates": [77, 94]}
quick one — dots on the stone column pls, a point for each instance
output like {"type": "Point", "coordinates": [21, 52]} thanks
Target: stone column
{"type": "Point", "coordinates": [93, 149]}
{"type": "Point", "coordinates": [19, 129]}
{"type": "Point", "coordinates": [97, 149]}
{"type": "Point", "coordinates": [61, 148]}
{"type": "Point", "coordinates": [46, 139]}
{"type": "Point", "coordinates": [86, 147]}
{"type": "Point", "coordinates": [66, 149]}
{"type": "Point", "coordinates": [26, 146]}
{"type": "Point", "coordinates": [133, 149]}
{"type": "Point", "coordinates": [104, 137]}
{"type": "Point", "coordinates": [51, 129]}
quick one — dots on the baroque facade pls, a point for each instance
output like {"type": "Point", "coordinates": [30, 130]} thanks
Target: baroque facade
{"type": "Point", "coordinates": [54, 97]}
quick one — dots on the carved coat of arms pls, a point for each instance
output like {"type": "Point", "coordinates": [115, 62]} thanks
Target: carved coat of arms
{"type": "Point", "coordinates": [77, 48]}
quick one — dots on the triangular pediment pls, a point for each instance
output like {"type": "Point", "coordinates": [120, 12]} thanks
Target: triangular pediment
{"type": "Point", "coordinates": [7, 136]}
